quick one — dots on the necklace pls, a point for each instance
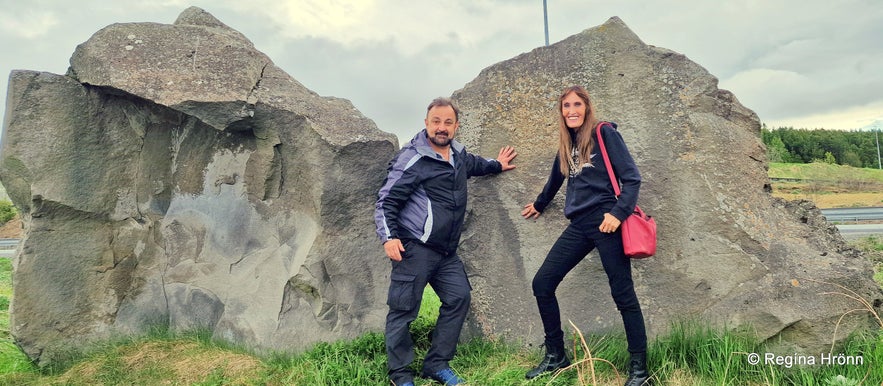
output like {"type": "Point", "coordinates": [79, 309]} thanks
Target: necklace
{"type": "Point", "coordinates": [574, 160]}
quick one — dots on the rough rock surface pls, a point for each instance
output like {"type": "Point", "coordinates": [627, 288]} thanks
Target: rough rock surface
{"type": "Point", "coordinates": [728, 253]}
{"type": "Point", "coordinates": [176, 177]}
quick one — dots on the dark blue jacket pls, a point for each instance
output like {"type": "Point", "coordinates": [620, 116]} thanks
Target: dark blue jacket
{"type": "Point", "coordinates": [424, 196]}
{"type": "Point", "coordinates": [590, 190]}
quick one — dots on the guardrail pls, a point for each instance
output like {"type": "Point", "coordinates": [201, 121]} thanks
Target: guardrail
{"type": "Point", "coordinates": [8, 244]}
{"type": "Point", "coordinates": [790, 179]}
{"type": "Point", "coordinates": [786, 179]}
{"type": "Point", "coordinates": [853, 214]}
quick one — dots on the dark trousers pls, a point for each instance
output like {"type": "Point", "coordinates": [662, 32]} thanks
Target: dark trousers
{"type": "Point", "coordinates": [447, 276]}
{"type": "Point", "coordinates": [577, 240]}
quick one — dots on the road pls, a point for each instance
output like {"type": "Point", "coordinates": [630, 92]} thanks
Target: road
{"type": "Point", "coordinates": [8, 247]}
{"type": "Point", "coordinates": [842, 217]}
{"type": "Point", "coordinates": [857, 231]}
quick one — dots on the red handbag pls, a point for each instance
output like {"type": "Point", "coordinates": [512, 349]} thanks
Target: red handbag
{"type": "Point", "coordinates": [638, 229]}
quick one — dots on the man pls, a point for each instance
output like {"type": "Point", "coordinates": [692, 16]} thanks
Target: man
{"type": "Point", "coordinates": [419, 216]}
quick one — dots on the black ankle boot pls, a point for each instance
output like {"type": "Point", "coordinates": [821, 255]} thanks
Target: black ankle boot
{"type": "Point", "coordinates": [555, 359]}
{"type": "Point", "coordinates": [638, 374]}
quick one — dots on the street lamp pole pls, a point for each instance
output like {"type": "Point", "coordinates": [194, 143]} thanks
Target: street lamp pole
{"type": "Point", "coordinates": [546, 21]}
{"type": "Point", "coordinates": [876, 138]}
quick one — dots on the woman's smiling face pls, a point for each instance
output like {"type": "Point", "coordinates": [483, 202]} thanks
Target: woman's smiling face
{"type": "Point", "coordinates": [573, 109]}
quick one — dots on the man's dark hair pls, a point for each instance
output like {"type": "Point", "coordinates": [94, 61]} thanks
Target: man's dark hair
{"type": "Point", "coordinates": [441, 101]}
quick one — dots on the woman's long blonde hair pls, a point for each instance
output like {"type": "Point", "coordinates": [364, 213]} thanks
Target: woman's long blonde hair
{"type": "Point", "coordinates": [584, 135]}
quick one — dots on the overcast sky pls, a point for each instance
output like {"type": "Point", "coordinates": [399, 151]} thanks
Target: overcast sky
{"type": "Point", "coordinates": [800, 63]}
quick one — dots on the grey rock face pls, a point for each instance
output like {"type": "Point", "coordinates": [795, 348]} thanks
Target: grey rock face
{"type": "Point", "coordinates": [728, 253]}
{"type": "Point", "coordinates": [176, 177]}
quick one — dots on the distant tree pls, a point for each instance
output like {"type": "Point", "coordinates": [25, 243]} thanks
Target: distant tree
{"type": "Point", "coordinates": [7, 211]}
{"type": "Point", "coordinates": [854, 148]}
{"type": "Point", "coordinates": [829, 158]}
{"type": "Point", "coordinates": [776, 151]}
{"type": "Point", "coordinates": [851, 158]}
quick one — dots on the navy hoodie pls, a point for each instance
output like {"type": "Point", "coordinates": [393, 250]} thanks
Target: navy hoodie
{"type": "Point", "coordinates": [590, 189]}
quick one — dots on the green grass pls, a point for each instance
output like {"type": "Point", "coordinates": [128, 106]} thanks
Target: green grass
{"type": "Point", "coordinates": [12, 360]}
{"type": "Point", "coordinates": [690, 353]}
{"type": "Point", "coordinates": [824, 172]}
{"type": "Point", "coordinates": [872, 246]}
{"type": "Point", "coordinates": [358, 362]}
{"type": "Point", "coordinates": [829, 186]}
{"type": "Point", "coordinates": [5, 295]}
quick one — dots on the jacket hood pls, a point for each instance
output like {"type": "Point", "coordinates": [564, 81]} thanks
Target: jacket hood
{"type": "Point", "coordinates": [420, 142]}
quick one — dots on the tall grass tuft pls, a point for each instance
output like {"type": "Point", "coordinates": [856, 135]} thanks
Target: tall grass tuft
{"type": "Point", "coordinates": [361, 361]}
{"type": "Point", "coordinates": [872, 246]}
{"type": "Point", "coordinates": [712, 354]}
{"type": "Point", "coordinates": [12, 359]}
{"type": "Point", "coordinates": [585, 360]}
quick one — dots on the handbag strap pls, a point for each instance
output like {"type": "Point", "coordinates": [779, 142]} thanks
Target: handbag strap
{"type": "Point", "coordinates": [613, 180]}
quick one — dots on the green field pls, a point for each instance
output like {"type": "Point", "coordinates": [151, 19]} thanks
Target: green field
{"type": "Point", "coordinates": [827, 172]}
{"type": "Point", "coordinates": [829, 186]}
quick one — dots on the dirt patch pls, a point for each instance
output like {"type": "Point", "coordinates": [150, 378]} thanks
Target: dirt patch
{"type": "Point", "coordinates": [836, 200]}
{"type": "Point", "coordinates": [168, 362]}
{"type": "Point", "coordinates": [12, 229]}
{"type": "Point", "coordinates": [831, 194]}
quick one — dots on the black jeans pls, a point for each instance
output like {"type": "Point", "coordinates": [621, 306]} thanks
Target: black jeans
{"type": "Point", "coordinates": [577, 240]}
{"type": "Point", "coordinates": [447, 276]}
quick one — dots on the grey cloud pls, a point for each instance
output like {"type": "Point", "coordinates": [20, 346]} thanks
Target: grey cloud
{"type": "Point", "coordinates": [386, 86]}
{"type": "Point", "coordinates": [834, 48]}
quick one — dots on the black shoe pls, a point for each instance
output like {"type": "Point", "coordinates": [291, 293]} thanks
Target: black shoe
{"type": "Point", "coordinates": [638, 374]}
{"type": "Point", "coordinates": [550, 362]}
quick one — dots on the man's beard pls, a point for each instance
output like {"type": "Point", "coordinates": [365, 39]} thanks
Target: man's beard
{"type": "Point", "coordinates": [440, 142]}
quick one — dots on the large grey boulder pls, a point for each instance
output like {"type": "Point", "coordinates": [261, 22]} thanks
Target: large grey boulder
{"type": "Point", "coordinates": [176, 177]}
{"type": "Point", "coordinates": [729, 253]}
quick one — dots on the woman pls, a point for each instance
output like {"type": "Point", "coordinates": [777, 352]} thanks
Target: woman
{"type": "Point", "coordinates": [595, 214]}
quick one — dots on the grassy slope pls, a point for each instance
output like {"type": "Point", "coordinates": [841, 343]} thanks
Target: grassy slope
{"type": "Point", "coordinates": [829, 186]}
{"type": "Point", "coordinates": [823, 171]}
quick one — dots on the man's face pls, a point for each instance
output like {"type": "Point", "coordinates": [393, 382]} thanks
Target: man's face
{"type": "Point", "coordinates": [441, 125]}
